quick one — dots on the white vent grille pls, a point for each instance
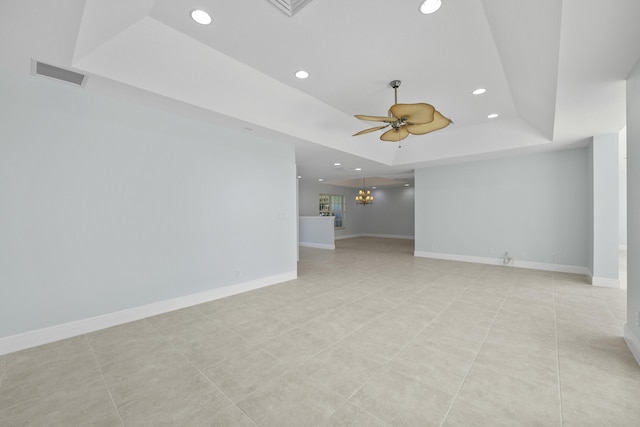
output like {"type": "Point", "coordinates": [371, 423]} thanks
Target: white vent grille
{"type": "Point", "coordinates": [290, 7]}
{"type": "Point", "coordinates": [58, 73]}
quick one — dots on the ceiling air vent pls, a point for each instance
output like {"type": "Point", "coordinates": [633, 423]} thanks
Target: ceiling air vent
{"type": "Point", "coordinates": [290, 7]}
{"type": "Point", "coordinates": [59, 73]}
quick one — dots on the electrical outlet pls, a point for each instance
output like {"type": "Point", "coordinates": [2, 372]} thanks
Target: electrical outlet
{"type": "Point", "coordinates": [237, 273]}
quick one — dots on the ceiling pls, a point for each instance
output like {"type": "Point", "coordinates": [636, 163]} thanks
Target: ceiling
{"type": "Point", "coordinates": [554, 70]}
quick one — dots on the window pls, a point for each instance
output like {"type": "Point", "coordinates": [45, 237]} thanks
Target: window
{"type": "Point", "coordinates": [332, 205]}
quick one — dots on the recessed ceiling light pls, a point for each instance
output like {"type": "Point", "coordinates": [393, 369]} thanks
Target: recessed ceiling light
{"type": "Point", "coordinates": [201, 17]}
{"type": "Point", "coordinates": [299, 176]}
{"type": "Point", "coordinates": [301, 74]}
{"type": "Point", "coordinates": [406, 185]}
{"type": "Point", "coordinates": [492, 116]}
{"type": "Point", "coordinates": [320, 179]}
{"type": "Point", "coordinates": [374, 187]}
{"type": "Point", "coordinates": [479, 91]}
{"type": "Point", "coordinates": [358, 169]}
{"type": "Point", "coordinates": [430, 6]}
{"type": "Point", "coordinates": [337, 164]}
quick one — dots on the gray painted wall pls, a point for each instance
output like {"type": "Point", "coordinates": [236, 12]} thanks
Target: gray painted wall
{"type": "Point", "coordinates": [309, 192]}
{"type": "Point", "coordinates": [605, 204]}
{"type": "Point", "coordinates": [622, 189]}
{"type": "Point", "coordinates": [533, 206]}
{"type": "Point", "coordinates": [108, 206]}
{"type": "Point", "coordinates": [633, 205]}
{"type": "Point", "coordinates": [391, 214]}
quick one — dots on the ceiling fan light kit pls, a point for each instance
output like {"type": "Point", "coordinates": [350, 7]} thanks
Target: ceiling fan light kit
{"type": "Point", "coordinates": [406, 119]}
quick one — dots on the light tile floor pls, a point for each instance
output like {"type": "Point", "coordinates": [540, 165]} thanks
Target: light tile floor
{"type": "Point", "coordinates": [368, 335]}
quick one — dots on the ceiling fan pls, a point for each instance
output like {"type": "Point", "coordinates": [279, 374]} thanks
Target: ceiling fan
{"type": "Point", "coordinates": [406, 119]}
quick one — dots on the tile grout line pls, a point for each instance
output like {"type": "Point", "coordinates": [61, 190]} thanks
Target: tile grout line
{"type": "Point", "coordinates": [383, 365]}
{"type": "Point", "coordinates": [555, 323]}
{"type": "Point", "coordinates": [4, 359]}
{"type": "Point", "coordinates": [201, 372]}
{"type": "Point", "coordinates": [3, 368]}
{"type": "Point", "coordinates": [606, 303]}
{"type": "Point", "coordinates": [386, 364]}
{"type": "Point", "coordinates": [104, 380]}
{"type": "Point", "coordinates": [455, 397]}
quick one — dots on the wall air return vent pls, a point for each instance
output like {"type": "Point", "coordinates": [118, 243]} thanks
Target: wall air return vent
{"type": "Point", "coordinates": [290, 7]}
{"type": "Point", "coordinates": [58, 73]}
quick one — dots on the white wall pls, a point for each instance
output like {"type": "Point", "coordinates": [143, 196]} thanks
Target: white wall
{"type": "Point", "coordinates": [392, 212]}
{"type": "Point", "coordinates": [622, 189]}
{"type": "Point", "coordinates": [533, 206]}
{"type": "Point", "coordinates": [108, 206]}
{"type": "Point", "coordinates": [632, 329]}
{"type": "Point", "coordinates": [309, 192]}
{"type": "Point", "coordinates": [605, 204]}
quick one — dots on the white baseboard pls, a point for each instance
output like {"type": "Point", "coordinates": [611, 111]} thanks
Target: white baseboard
{"type": "Point", "coordinates": [633, 342]}
{"type": "Point", "coordinates": [384, 236]}
{"type": "Point", "coordinates": [603, 282]}
{"type": "Point", "coordinates": [317, 245]}
{"type": "Point", "coordinates": [50, 334]}
{"type": "Point", "coordinates": [348, 236]}
{"type": "Point", "coordinates": [560, 268]}
{"type": "Point", "coordinates": [389, 236]}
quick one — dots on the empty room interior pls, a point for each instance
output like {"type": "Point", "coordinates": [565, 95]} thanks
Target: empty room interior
{"type": "Point", "coordinates": [319, 213]}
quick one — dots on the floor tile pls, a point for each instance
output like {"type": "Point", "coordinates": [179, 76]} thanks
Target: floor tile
{"type": "Point", "coordinates": [401, 401]}
{"type": "Point", "coordinates": [206, 349]}
{"type": "Point", "coordinates": [340, 369]}
{"type": "Point", "coordinates": [179, 400]}
{"type": "Point", "coordinates": [262, 329]}
{"type": "Point", "coordinates": [521, 360]}
{"type": "Point", "coordinates": [351, 416]}
{"type": "Point", "coordinates": [431, 366]}
{"type": "Point", "coordinates": [85, 405]}
{"type": "Point", "coordinates": [241, 376]}
{"type": "Point", "coordinates": [295, 346]}
{"type": "Point", "coordinates": [230, 416]}
{"type": "Point", "coordinates": [367, 335]}
{"type": "Point", "coordinates": [466, 414]}
{"type": "Point", "coordinates": [507, 398]}
{"type": "Point", "coordinates": [461, 340]}
{"type": "Point", "coordinates": [290, 400]}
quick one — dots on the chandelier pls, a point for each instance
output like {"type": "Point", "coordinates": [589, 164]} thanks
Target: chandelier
{"type": "Point", "coordinates": [364, 196]}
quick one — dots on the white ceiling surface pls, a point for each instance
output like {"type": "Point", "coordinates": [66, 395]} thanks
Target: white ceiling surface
{"type": "Point", "coordinates": [554, 70]}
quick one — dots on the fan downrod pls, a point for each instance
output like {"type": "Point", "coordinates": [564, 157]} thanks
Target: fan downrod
{"type": "Point", "coordinates": [395, 84]}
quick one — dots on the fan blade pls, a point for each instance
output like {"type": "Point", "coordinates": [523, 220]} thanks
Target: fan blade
{"type": "Point", "coordinates": [414, 113]}
{"type": "Point", "coordinates": [362, 132]}
{"type": "Point", "coordinates": [439, 122]}
{"type": "Point", "coordinates": [376, 118]}
{"type": "Point", "coordinates": [395, 135]}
